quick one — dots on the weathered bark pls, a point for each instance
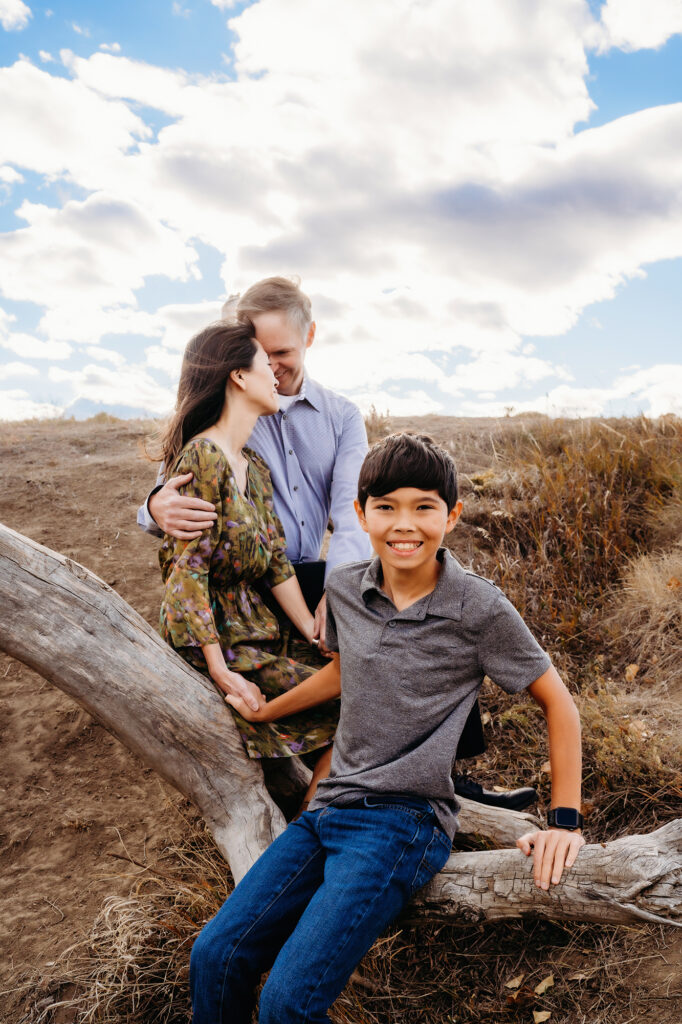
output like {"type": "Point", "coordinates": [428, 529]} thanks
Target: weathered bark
{"type": "Point", "coordinates": [636, 878]}
{"type": "Point", "coordinates": [72, 628]}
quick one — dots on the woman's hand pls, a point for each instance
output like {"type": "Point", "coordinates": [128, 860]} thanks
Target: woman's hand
{"type": "Point", "coordinates": [235, 685]}
{"type": "Point", "coordinates": [243, 709]}
{"type": "Point", "coordinates": [552, 851]}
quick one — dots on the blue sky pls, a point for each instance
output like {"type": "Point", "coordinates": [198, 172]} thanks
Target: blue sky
{"type": "Point", "coordinates": [484, 201]}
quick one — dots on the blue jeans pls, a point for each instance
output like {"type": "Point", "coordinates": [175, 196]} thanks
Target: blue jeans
{"type": "Point", "coordinates": [310, 908]}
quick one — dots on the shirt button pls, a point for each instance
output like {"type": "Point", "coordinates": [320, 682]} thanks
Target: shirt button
{"type": "Point", "coordinates": [303, 522]}
{"type": "Point", "coordinates": [291, 451]}
{"type": "Point", "coordinates": [392, 624]}
{"type": "Point", "coordinates": [284, 415]}
{"type": "Point", "coordinates": [295, 487]}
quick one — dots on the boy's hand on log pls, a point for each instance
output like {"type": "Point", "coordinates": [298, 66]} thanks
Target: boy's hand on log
{"type": "Point", "coordinates": [181, 515]}
{"type": "Point", "coordinates": [552, 851]}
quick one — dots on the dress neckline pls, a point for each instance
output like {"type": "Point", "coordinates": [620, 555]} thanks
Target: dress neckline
{"type": "Point", "coordinates": [246, 493]}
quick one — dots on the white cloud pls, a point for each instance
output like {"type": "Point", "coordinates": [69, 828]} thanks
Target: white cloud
{"type": "Point", "coordinates": [14, 15]}
{"type": "Point", "coordinates": [501, 371]}
{"type": "Point", "coordinates": [79, 30]}
{"type": "Point", "coordinates": [110, 47]}
{"type": "Point", "coordinates": [129, 386]}
{"type": "Point", "coordinates": [18, 405]}
{"type": "Point", "coordinates": [412, 403]}
{"type": "Point", "coordinates": [89, 253]}
{"type": "Point", "coordinates": [633, 25]}
{"type": "Point", "coordinates": [181, 12]}
{"type": "Point", "coordinates": [431, 192]}
{"type": "Point", "coordinates": [82, 144]}
{"type": "Point", "coordinates": [17, 370]}
{"type": "Point", "coordinates": [33, 348]}
{"type": "Point", "coordinates": [654, 391]}
{"type": "Point", "coordinates": [9, 176]}
{"type": "Point", "coordinates": [46, 57]}
{"type": "Point", "coordinates": [105, 355]}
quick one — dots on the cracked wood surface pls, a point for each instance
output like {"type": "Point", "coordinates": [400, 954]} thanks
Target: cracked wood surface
{"type": "Point", "coordinates": [73, 629]}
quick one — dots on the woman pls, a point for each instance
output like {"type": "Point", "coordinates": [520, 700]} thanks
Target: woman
{"type": "Point", "coordinates": [212, 612]}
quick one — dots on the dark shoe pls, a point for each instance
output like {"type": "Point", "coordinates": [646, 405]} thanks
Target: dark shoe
{"type": "Point", "coordinates": [512, 800]}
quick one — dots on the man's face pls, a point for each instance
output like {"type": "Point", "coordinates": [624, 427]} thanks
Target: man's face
{"type": "Point", "coordinates": [286, 348]}
{"type": "Point", "coordinates": [407, 526]}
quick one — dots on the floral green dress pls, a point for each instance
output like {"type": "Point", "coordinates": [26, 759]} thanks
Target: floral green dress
{"type": "Point", "coordinates": [211, 597]}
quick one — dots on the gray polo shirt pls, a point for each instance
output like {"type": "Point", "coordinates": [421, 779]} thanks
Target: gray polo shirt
{"type": "Point", "coordinates": [410, 678]}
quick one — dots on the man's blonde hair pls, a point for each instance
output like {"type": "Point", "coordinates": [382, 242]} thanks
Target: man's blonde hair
{"type": "Point", "coordinates": [274, 295]}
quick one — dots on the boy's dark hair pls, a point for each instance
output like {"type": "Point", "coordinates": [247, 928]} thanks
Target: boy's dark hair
{"type": "Point", "coordinates": [408, 460]}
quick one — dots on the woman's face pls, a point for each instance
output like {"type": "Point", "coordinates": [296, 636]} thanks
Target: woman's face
{"type": "Point", "coordinates": [261, 383]}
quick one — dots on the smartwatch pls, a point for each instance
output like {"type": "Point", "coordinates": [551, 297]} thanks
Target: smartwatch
{"type": "Point", "coordinates": [565, 817]}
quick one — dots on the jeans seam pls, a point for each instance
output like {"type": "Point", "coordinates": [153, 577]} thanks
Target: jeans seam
{"type": "Point", "coordinates": [435, 838]}
{"type": "Point", "coordinates": [255, 921]}
{"type": "Point", "coordinates": [363, 916]}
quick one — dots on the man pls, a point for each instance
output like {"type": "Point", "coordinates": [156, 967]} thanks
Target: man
{"type": "Point", "coordinates": [314, 447]}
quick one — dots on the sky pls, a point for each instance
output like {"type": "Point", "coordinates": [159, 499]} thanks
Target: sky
{"type": "Point", "coordinates": [483, 200]}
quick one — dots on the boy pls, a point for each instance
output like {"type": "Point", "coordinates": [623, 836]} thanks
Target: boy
{"type": "Point", "coordinates": [415, 634]}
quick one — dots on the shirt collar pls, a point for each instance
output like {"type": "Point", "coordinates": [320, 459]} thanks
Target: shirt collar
{"type": "Point", "coordinates": [444, 600]}
{"type": "Point", "coordinates": [310, 393]}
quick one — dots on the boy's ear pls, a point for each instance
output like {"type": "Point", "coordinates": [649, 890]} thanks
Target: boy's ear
{"type": "Point", "coordinates": [453, 516]}
{"type": "Point", "coordinates": [360, 512]}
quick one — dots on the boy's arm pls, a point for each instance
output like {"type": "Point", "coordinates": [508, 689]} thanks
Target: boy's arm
{"type": "Point", "coordinates": [316, 689]}
{"type": "Point", "coordinates": [556, 848]}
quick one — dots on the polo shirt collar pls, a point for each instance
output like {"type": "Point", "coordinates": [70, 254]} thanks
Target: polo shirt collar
{"type": "Point", "coordinates": [445, 600]}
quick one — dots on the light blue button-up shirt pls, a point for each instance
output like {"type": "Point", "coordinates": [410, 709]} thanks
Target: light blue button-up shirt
{"type": "Point", "coordinates": [314, 450]}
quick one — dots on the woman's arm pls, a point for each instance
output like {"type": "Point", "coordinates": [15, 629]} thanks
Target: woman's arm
{"type": "Point", "coordinates": [316, 689]}
{"type": "Point", "coordinates": [232, 684]}
{"type": "Point", "coordinates": [555, 849]}
{"type": "Point", "coordinates": [290, 599]}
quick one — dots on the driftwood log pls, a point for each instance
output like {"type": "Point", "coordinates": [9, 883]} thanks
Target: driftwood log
{"type": "Point", "coordinates": [73, 629]}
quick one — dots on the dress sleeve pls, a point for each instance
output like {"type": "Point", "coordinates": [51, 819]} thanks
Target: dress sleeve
{"type": "Point", "coordinates": [186, 609]}
{"type": "Point", "coordinates": [280, 568]}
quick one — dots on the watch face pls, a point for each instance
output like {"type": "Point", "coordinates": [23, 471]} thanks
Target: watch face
{"type": "Point", "coordinates": [566, 817]}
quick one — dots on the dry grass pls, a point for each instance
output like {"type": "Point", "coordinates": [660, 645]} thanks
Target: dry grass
{"type": "Point", "coordinates": [134, 967]}
{"type": "Point", "coordinates": [649, 612]}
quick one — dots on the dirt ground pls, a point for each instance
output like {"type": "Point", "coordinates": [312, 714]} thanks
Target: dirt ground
{"type": "Point", "coordinates": [73, 800]}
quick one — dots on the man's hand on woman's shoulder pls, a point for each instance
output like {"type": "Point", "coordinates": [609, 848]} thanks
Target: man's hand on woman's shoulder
{"type": "Point", "coordinates": [181, 515]}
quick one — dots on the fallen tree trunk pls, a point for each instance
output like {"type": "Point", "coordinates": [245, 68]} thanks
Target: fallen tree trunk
{"type": "Point", "coordinates": [72, 628]}
{"type": "Point", "coordinates": [636, 878]}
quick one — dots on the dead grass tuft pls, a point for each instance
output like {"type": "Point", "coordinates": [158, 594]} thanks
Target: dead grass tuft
{"type": "Point", "coordinates": [649, 613]}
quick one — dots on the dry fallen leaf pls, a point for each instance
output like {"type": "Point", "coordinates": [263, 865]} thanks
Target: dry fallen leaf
{"type": "Point", "coordinates": [540, 1015]}
{"type": "Point", "coordinates": [486, 718]}
{"type": "Point", "coordinates": [673, 583]}
{"type": "Point", "coordinates": [577, 977]}
{"type": "Point", "coordinates": [546, 768]}
{"type": "Point", "coordinates": [546, 983]}
{"type": "Point", "coordinates": [630, 673]}
{"type": "Point", "coordinates": [514, 982]}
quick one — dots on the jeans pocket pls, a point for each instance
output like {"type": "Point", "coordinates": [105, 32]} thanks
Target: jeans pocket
{"type": "Point", "coordinates": [435, 857]}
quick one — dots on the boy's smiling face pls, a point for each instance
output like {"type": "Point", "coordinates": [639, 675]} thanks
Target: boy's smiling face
{"type": "Point", "coordinates": [407, 526]}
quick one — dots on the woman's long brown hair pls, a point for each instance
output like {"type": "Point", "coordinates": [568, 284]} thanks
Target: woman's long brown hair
{"type": "Point", "coordinates": [209, 359]}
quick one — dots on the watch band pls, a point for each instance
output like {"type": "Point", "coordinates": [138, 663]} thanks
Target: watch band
{"type": "Point", "coordinates": [565, 817]}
